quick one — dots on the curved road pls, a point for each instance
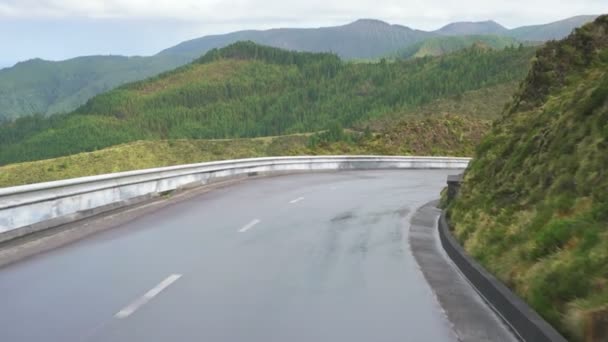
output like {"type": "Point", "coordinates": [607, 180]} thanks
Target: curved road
{"type": "Point", "coordinates": [309, 257]}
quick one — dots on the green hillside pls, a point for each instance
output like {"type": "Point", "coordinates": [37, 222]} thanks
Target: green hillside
{"type": "Point", "coordinates": [441, 135]}
{"type": "Point", "coordinates": [46, 87]}
{"type": "Point", "coordinates": [247, 90]}
{"type": "Point", "coordinates": [486, 103]}
{"type": "Point", "coordinates": [441, 45]}
{"type": "Point", "coordinates": [534, 205]}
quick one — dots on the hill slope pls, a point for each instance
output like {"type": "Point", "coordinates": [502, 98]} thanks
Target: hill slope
{"type": "Point", "coordinates": [441, 45]}
{"type": "Point", "coordinates": [50, 87]}
{"type": "Point", "coordinates": [247, 90]}
{"type": "Point", "coordinates": [46, 87]}
{"type": "Point", "coordinates": [441, 135]}
{"type": "Point", "coordinates": [534, 205]}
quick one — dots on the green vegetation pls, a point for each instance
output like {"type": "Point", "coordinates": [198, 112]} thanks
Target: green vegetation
{"type": "Point", "coordinates": [46, 87]}
{"type": "Point", "coordinates": [441, 135]}
{"type": "Point", "coordinates": [442, 45]}
{"type": "Point", "coordinates": [247, 90]}
{"type": "Point", "coordinates": [484, 103]}
{"type": "Point", "coordinates": [534, 204]}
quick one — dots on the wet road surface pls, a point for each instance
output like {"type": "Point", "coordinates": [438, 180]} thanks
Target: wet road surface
{"type": "Point", "coordinates": [309, 257]}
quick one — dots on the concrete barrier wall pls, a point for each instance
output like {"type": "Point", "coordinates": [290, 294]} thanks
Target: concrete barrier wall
{"type": "Point", "coordinates": [30, 208]}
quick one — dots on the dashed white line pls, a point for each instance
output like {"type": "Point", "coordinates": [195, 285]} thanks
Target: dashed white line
{"type": "Point", "coordinates": [296, 200]}
{"type": "Point", "coordinates": [249, 226]}
{"type": "Point", "coordinates": [139, 302]}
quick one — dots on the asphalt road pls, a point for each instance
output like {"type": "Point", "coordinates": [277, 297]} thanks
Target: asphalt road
{"type": "Point", "coordinates": [309, 257]}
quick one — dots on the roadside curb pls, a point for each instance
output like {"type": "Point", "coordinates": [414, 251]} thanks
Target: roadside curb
{"type": "Point", "coordinates": [521, 317]}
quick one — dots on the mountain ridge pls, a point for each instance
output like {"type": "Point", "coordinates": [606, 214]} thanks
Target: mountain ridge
{"type": "Point", "coordinates": [348, 41]}
{"type": "Point", "coordinates": [62, 86]}
{"type": "Point", "coordinates": [550, 31]}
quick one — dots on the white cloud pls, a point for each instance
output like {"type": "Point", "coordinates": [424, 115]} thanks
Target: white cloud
{"type": "Point", "coordinates": [417, 13]}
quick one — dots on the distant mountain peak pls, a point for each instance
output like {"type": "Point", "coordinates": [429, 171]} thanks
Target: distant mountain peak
{"type": "Point", "coordinates": [366, 23]}
{"type": "Point", "coordinates": [369, 21]}
{"type": "Point", "coordinates": [472, 28]}
{"type": "Point", "coordinates": [481, 22]}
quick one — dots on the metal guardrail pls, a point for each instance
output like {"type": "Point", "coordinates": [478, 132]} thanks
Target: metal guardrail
{"type": "Point", "coordinates": [30, 208]}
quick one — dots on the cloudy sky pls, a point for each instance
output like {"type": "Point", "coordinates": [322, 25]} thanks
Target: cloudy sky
{"type": "Point", "coordinates": [60, 29]}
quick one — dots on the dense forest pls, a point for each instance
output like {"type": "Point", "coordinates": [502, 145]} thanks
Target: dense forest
{"type": "Point", "coordinates": [248, 90]}
{"type": "Point", "coordinates": [533, 208]}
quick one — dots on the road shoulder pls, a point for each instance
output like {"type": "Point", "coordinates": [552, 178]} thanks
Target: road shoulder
{"type": "Point", "coordinates": [471, 317]}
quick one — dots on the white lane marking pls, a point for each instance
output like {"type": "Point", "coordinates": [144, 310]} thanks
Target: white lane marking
{"type": "Point", "coordinates": [249, 225]}
{"type": "Point", "coordinates": [139, 302]}
{"type": "Point", "coordinates": [296, 200]}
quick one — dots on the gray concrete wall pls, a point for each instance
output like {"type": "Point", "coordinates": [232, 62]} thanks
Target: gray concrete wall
{"type": "Point", "coordinates": [30, 208]}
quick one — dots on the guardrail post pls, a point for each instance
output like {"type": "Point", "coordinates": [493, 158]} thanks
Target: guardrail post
{"type": "Point", "coordinates": [454, 182]}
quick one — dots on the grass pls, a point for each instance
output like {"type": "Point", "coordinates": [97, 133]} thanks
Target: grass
{"type": "Point", "coordinates": [533, 208]}
{"type": "Point", "coordinates": [442, 135]}
{"type": "Point", "coordinates": [486, 103]}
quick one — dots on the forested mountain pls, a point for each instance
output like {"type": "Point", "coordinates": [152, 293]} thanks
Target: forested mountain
{"type": "Point", "coordinates": [441, 45]}
{"type": "Point", "coordinates": [467, 28]}
{"type": "Point", "coordinates": [247, 90]}
{"type": "Point", "coordinates": [46, 87]}
{"type": "Point", "coordinates": [534, 204]}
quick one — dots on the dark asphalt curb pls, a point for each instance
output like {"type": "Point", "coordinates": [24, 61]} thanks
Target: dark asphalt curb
{"type": "Point", "coordinates": [521, 317]}
{"type": "Point", "coordinates": [471, 318]}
